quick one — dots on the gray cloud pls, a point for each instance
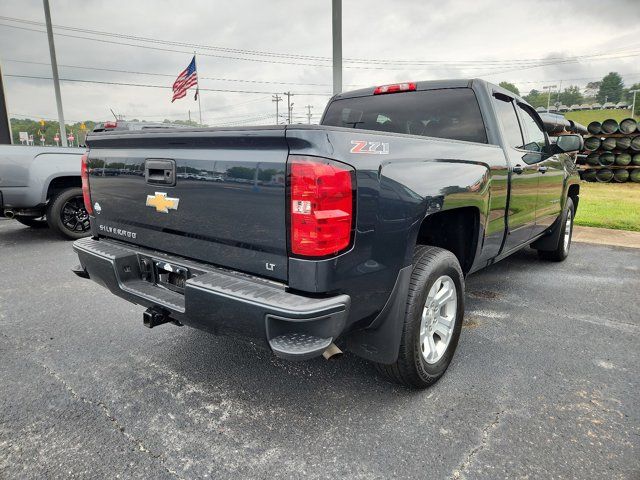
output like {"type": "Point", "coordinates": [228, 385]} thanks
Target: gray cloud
{"type": "Point", "coordinates": [423, 30]}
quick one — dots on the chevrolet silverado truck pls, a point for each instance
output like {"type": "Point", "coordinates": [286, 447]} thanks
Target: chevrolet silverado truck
{"type": "Point", "coordinates": [356, 234]}
{"type": "Point", "coordinates": [41, 186]}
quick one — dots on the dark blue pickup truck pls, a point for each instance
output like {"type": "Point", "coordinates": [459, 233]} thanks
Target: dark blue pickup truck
{"type": "Point", "coordinates": [356, 234]}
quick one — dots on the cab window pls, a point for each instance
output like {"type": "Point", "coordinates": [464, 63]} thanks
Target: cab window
{"type": "Point", "coordinates": [509, 120]}
{"type": "Point", "coordinates": [535, 140]}
{"type": "Point", "coordinates": [451, 113]}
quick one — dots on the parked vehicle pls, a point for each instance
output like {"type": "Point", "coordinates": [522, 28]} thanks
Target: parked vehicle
{"type": "Point", "coordinates": [401, 192]}
{"type": "Point", "coordinates": [41, 186]}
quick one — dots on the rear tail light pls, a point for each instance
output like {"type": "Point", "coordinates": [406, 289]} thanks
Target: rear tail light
{"type": "Point", "coordinates": [395, 87]}
{"type": "Point", "coordinates": [86, 193]}
{"type": "Point", "coordinates": [110, 125]}
{"type": "Point", "coordinates": [322, 206]}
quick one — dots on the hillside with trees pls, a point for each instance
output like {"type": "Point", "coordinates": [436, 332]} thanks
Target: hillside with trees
{"type": "Point", "coordinates": [51, 128]}
{"type": "Point", "coordinates": [611, 89]}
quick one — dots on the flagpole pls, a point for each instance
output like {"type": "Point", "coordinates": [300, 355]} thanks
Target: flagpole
{"type": "Point", "coordinates": [198, 87]}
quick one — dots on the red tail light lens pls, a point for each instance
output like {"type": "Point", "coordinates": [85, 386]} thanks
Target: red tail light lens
{"type": "Point", "coordinates": [86, 193]}
{"type": "Point", "coordinates": [110, 125]}
{"type": "Point", "coordinates": [321, 195]}
{"type": "Point", "coordinates": [395, 87]}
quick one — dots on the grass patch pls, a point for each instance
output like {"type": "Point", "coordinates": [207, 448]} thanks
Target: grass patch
{"type": "Point", "coordinates": [609, 205]}
{"type": "Point", "coordinates": [585, 117]}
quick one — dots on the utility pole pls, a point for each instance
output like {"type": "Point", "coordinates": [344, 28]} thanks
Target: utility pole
{"type": "Point", "coordinates": [309, 107]}
{"type": "Point", "coordinates": [5, 124]}
{"type": "Point", "coordinates": [336, 29]}
{"type": "Point", "coordinates": [633, 104]}
{"type": "Point", "coordinates": [289, 105]}
{"type": "Point", "coordinates": [559, 90]}
{"type": "Point", "coordinates": [54, 69]}
{"type": "Point", "coordinates": [549, 87]}
{"type": "Point", "coordinates": [277, 99]}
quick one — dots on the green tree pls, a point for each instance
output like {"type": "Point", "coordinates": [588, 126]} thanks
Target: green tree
{"type": "Point", "coordinates": [510, 86]}
{"type": "Point", "coordinates": [629, 97]}
{"type": "Point", "coordinates": [611, 88]}
{"type": "Point", "coordinates": [571, 96]}
{"type": "Point", "coordinates": [536, 98]}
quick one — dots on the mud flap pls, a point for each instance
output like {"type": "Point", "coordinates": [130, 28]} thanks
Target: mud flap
{"type": "Point", "coordinates": [380, 341]}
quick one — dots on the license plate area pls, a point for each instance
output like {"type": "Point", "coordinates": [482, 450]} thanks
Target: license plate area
{"type": "Point", "coordinates": [164, 274]}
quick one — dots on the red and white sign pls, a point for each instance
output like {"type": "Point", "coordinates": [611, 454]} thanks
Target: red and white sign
{"type": "Point", "coordinates": [71, 138]}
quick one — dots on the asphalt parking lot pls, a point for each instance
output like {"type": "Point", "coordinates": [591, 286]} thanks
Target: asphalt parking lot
{"type": "Point", "coordinates": [545, 384]}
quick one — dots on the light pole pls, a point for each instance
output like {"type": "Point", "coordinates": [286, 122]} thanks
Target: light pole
{"type": "Point", "coordinates": [54, 71]}
{"type": "Point", "coordinates": [6, 136]}
{"type": "Point", "coordinates": [633, 104]}
{"type": "Point", "coordinates": [336, 29]}
{"type": "Point", "coordinates": [549, 87]}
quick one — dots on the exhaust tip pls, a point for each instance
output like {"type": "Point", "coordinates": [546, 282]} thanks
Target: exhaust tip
{"type": "Point", "coordinates": [9, 214]}
{"type": "Point", "coordinates": [332, 351]}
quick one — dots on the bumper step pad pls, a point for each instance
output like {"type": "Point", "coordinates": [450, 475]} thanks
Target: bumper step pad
{"type": "Point", "coordinates": [299, 346]}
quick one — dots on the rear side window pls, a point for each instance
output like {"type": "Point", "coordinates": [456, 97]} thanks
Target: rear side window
{"type": "Point", "coordinates": [532, 131]}
{"type": "Point", "coordinates": [451, 113]}
{"type": "Point", "coordinates": [509, 121]}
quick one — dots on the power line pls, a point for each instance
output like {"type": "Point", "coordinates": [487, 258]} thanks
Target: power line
{"type": "Point", "coordinates": [467, 64]}
{"type": "Point", "coordinates": [104, 82]}
{"type": "Point", "coordinates": [519, 82]}
{"type": "Point", "coordinates": [81, 67]}
{"type": "Point", "coordinates": [297, 56]}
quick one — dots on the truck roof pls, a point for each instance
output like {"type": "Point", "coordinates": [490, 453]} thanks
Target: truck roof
{"type": "Point", "coordinates": [436, 84]}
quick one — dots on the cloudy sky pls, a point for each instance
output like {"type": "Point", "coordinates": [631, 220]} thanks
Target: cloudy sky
{"type": "Point", "coordinates": [254, 49]}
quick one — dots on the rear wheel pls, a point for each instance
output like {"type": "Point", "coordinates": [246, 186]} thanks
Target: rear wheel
{"type": "Point", "coordinates": [33, 222]}
{"type": "Point", "coordinates": [66, 214]}
{"type": "Point", "coordinates": [564, 240]}
{"type": "Point", "coordinates": [433, 319]}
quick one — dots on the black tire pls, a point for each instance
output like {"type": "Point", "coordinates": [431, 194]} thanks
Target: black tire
{"type": "Point", "coordinates": [562, 249]}
{"type": "Point", "coordinates": [66, 214]}
{"type": "Point", "coordinates": [411, 369]}
{"type": "Point", "coordinates": [33, 222]}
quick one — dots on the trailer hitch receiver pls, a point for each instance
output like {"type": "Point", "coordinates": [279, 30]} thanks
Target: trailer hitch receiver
{"type": "Point", "coordinates": [152, 317]}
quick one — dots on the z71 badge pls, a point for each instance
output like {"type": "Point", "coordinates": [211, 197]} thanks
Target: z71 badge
{"type": "Point", "coordinates": [375, 148]}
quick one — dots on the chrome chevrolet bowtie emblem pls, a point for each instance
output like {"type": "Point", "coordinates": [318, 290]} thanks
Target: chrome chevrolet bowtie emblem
{"type": "Point", "coordinates": [162, 203]}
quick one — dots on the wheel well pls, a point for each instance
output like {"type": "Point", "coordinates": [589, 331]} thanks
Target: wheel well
{"type": "Point", "coordinates": [62, 183]}
{"type": "Point", "coordinates": [454, 230]}
{"type": "Point", "coordinates": [574, 194]}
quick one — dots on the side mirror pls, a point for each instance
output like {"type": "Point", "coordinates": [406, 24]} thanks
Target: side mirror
{"type": "Point", "coordinates": [569, 143]}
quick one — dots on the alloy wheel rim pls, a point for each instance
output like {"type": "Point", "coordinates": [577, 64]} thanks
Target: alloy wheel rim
{"type": "Point", "coordinates": [567, 231]}
{"type": "Point", "coordinates": [438, 319]}
{"type": "Point", "coordinates": [74, 216]}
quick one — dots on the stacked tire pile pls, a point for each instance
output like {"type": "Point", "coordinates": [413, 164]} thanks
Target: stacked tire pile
{"type": "Point", "coordinates": [612, 152]}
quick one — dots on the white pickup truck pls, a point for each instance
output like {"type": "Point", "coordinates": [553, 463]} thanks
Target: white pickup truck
{"type": "Point", "coordinates": [41, 186]}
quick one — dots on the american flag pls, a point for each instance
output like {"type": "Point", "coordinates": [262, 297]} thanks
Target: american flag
{"type": "Point", "coordinates": [187, 79]}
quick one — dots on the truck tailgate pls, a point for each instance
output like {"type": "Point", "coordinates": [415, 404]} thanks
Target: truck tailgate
{"type": "Point", "coordinates": [213, 195]}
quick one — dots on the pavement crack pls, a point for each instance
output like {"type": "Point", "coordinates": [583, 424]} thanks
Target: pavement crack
{"type": "Point", "coordinates": [459, 473]}
{"type": "Point", "coordinates": [138, 444]}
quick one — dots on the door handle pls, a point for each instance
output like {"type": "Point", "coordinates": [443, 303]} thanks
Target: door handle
{"type": "Point", "coordinates": [518, 169]}
{"type": "Point", "coordinates": [543, 169]}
